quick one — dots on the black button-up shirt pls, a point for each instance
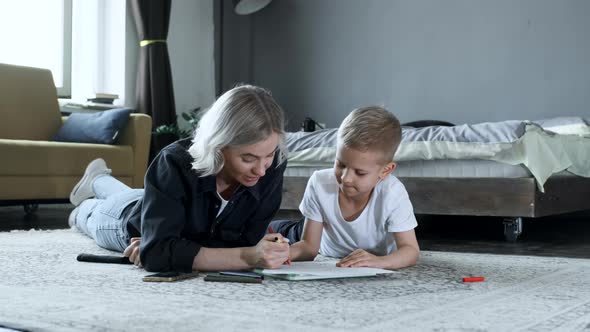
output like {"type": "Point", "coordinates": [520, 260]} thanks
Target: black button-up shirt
{"type": "Point", "coordinates": [178, 212]}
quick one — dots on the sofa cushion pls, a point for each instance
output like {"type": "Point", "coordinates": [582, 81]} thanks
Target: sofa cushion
{"type": "Point", "coordinates": [99, 127]}
{"type": "Point", "coordinates": [45, 158]}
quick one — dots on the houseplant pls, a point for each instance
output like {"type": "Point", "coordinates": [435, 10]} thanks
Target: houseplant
{"type": "Point", "coordinates": [177, 130]}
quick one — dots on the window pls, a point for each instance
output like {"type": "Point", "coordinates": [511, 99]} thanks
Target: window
{"type": "Point", "coordinates": [38, 33]}
{"type": "Point", "coordinates": [83, 42]}
{"type": "Point", "coordinates": [99, 42]}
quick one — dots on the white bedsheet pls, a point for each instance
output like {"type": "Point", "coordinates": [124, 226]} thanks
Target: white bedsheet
{"type": "Point", "coordinates": [538, 146]}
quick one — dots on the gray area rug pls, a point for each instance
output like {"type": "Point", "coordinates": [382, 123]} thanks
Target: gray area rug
{"type": "Point", "coordinates": [43, 287]}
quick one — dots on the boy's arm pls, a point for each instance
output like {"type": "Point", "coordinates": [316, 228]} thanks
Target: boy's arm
{"type": "Point", "coordinates": [406, 254]}
{"type": "Point", "coordinates": [309, 246]}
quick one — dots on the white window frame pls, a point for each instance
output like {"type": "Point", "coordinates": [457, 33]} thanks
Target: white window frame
{"type": "Point", "coordinates": [65, 91]}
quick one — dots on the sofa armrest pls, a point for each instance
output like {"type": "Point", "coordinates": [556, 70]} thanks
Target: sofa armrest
{"type": "Point", "coordinates": [138, 134]}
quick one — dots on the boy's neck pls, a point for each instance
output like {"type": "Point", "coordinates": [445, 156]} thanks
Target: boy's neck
{"type": "Point", "coordinates": [352, 207]}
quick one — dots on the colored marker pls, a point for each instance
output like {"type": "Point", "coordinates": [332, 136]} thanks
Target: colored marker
{"type": "Point", "coordinates": [473, 279]}
{"type": "Point", "coordinates": [270, 230]}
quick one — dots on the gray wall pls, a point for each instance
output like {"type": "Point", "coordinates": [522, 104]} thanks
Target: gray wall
{"type": "Point", "coordinates": [190, 45]}
{"type": "Point", "coordinates": [463, 61]}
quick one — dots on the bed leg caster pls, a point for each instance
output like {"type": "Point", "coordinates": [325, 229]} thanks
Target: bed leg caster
{"type": "Point", "coordinates": [512, 228]}
{"type": "Point", "coordinates": [31, 208]}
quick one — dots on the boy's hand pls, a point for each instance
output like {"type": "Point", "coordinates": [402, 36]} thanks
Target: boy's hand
{"type": "Point", "coordinates": [360, 258]}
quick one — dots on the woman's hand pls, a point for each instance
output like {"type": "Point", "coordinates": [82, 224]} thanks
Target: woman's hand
{"type": "Point", "coordinates": [270, 253]}
{"type": "Point", "coordinates": [132, 251]}
{"type": "Point", "coordinates": [359, 258]}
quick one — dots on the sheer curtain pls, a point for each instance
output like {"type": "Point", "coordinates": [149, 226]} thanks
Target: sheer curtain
{"type": "Point", "coordinates": [99, 50]}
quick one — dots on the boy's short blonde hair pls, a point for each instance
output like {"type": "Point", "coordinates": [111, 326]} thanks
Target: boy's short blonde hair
{"type": "Point", "coordinates": [371, 128]}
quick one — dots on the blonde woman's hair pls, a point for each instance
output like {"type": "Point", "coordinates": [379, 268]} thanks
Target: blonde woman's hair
{"type": "Point", "coordinates": [244, 115]}
{"type": "Point", "coordinates": [371, 128]}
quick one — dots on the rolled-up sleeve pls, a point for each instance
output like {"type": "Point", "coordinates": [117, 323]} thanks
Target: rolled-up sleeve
{"type": "Point", "coordinates": [164, 217]}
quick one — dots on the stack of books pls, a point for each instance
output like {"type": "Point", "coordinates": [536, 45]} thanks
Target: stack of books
{"type": "Point", "coordinates": [103, 98]}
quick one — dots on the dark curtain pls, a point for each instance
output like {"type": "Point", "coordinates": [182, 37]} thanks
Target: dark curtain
{"type": "Point", "coordinates": [155, 94]}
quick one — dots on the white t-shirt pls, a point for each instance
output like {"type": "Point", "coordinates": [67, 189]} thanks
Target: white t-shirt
{"type": "Point", "coordinates": [223, 204]}
{"type": "Point", "coordinates": [389, 210]}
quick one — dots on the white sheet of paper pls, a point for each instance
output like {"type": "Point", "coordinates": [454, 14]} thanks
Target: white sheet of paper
{"type": "Point", "coordinates": [325, 269]}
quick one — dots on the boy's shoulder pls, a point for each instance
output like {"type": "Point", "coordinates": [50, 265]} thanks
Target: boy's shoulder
{"type": "Point", "coordinates": [324, 174]}
{"type": "Point", "coordinates": [390, 186]}
{"type": "Point", "coordinates": [323, 178]}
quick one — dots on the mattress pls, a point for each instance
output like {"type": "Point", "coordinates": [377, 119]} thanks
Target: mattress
{"type": "Point", "coordinates": [540, 149]}
{"type": "Point", "coordinates": [447, 168]}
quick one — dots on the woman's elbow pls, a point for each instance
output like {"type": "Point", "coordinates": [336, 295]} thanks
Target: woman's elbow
{"type": "Point", "coordinates": [152, 265]}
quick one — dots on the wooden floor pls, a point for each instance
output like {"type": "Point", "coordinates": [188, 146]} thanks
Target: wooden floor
{"type": "Point", "coordinates": [565, 236]}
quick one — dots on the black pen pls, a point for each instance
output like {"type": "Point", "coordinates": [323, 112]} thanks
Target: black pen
{"type": "Point", "coordinates": [232, 278]}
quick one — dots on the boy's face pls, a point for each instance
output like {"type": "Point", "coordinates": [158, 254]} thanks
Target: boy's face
{"type": "Point", "coordinates": [358, 172]}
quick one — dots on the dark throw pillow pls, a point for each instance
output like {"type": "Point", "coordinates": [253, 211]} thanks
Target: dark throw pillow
{"type": "Point", "coordinates": [427, 123]}
{"type": "Point", "coordinates": [101, 127]}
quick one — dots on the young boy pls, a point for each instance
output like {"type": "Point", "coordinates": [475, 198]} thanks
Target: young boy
{"type": "Point", "coordinates": [358, 211]}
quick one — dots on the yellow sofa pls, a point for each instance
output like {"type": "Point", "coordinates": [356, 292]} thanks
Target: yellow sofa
{"type": "Point", "coordinates": [34, 169]}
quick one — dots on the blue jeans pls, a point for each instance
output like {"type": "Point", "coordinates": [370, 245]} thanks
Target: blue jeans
{"type": "Point", "coordinates": [102, 217]}
{"type": "Point", "coordinates": [291, 229]}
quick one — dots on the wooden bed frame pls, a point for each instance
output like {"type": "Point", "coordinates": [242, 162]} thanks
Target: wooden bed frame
{"type": "Point", "coordinates": [511, 198]}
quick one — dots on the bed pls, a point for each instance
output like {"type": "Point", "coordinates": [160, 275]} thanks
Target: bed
{"type": "Point", "coordinates": [510, 169]}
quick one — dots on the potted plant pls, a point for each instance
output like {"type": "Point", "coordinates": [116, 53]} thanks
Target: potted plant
{"type": "Point", "coordinates": [176, 130]}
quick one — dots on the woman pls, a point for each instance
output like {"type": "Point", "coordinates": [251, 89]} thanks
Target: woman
{"type": "Point", "coordinates": [206, 203]}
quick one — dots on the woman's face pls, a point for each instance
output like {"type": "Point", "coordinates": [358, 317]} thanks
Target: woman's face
{"type": "Point", "coordinates": [247, 164]}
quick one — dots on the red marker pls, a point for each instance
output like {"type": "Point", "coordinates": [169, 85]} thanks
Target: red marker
{"type": "Point", "coordinates": [473, 279]}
